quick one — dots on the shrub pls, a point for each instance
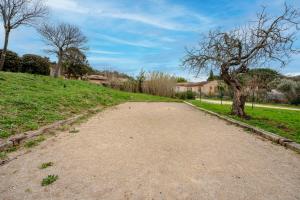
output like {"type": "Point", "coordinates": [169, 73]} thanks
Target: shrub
{"type": "Point", "coordinates": [181, 95]}
{"type": "Point", "coordinates": [190, 95]}
{"type": "Point", "coordinates": [3, 155]}
{"type": "Point", "coordinates": [185, 95]}
{"type": "Point", "coordinates": [291, 89]}
{"type": "Point", "coordinates": [49, 180]}
{"type": "Point", "coordinates": [46, 165]}
{"type": "Point", "coordinates": [13, 62]}
{"type": "Point", "coordinates": [35, 64]}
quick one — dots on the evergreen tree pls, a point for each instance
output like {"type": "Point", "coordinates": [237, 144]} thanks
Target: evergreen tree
{"type": "Point", "coordinates": [211, 76]}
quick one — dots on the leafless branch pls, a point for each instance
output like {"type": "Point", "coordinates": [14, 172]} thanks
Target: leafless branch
{"type": "Point", "coordinates": [268, 39]}
{"type": "Point", "coordinates": [21, 12]}
{"type": "Point", "coordinates": [61, 38]}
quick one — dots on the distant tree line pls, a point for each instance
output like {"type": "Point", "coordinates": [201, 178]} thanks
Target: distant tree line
{"type": "Point", "coordinates": [74, 64]}
{"type": "Point", "coordinates": [28, 63]}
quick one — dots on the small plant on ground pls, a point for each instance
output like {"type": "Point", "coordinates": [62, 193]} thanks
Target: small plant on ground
{"type": "Point", "coordinates": [46, 165]}
{"type": "Point", "coordinates": [63, 128]}
{"type": "Point", "coordinates": [3, 155]}
{"type": "Point", "coordinates": [28, 190]}
{"type": "Point", "coordinates": [4, 134]}
{"type": "Point", "coordinates": [35, 142]}
{"type": "Point", "coordinates": [73, 130]}
{"type": "Point", "coordinates": [49, 180]}
{"type": "Point", "coordinates": [11, 149]}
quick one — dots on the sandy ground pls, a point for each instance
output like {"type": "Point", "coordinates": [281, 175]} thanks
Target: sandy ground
{"type": "Point", "coordinates": [250, 104]}
{"type": "Point", "coordinates": [155, 151]}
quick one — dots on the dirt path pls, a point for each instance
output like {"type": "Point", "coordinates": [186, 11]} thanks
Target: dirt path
{"type": "Point", "coordinates": [155, 151]}
{"type": "Point", "coordinates": [249, 104]}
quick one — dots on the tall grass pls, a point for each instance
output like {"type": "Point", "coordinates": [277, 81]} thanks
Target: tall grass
{"type": "Point", "coordinates": [155, 83]}
{"type": "Point", "coordinates": [161, 84]}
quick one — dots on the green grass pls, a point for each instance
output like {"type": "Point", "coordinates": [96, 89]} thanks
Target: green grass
{"type": "Point", "coordinates": [49, 180]}
{"type": "Point", "coordinates": [256, 103]}
{"type": "Point", "coordinates": [28, 102]}
{"type": "Point", "coordinates": [46, 165]}
{"type": "Point", "coordinates": [34, 142]}
{"type": "Point", "coordinates": [3, 155]}
{"type": "Point", "coordinates": [285, 123]}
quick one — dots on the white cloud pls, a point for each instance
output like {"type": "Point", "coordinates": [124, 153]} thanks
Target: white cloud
{"type": "Point", "coordinates": [143, 43]}
{"type": "Point", "coordinates": [160, 13]}
{"type": "Point", "coordinates": [142, 18]}
{"type": "Point", "coordinates": [293, 74]}
{"type": "Point", "coordinates": [67, 5]}
{"type": "Point", "coordinates": [105, 52]}
{"type": "Point", "coordinates": [112, 60]}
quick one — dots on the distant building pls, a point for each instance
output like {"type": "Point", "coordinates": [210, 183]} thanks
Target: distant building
{"type": "Point", "coordinates": [98, 79]}
{"type": "Point", "coordinates": [206, 88]}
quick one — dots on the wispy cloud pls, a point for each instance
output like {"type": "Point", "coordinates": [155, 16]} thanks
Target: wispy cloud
{"type": "Point", "coordinates": [104, 52]}
{"type": "Point", "coordinates": [160, 14]}
{"type": "Point", "coordinates": [129, 34]}
{"type": "Point", "coordinates": [293, 74]}
{"type": "Point", "coordinates": [67, 5]}
{"type": "Point", "coordinates": [112, 60]}
{"type": "Point", "coordinates": [142, 18]}
{"type": "Point", "coordinates": [143, 43]}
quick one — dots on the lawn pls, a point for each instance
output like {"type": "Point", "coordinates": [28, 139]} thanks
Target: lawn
{"type": "Point", "coordinates": [28, 102]}
{"type": "Point", "coordinates": [285, 123]}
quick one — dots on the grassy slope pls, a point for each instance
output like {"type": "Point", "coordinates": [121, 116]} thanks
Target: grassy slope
{"type": "Point", "coordinates": [30, 101]}
{"type": "Point", "coordinates": [282, 122]}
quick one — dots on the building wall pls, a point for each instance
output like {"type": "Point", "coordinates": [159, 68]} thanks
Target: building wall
{"type": "Point", "coordinates": [96, 81]}
{"type": "Point", "coordinates": [181, 89]}
{"type": "Point", "coordinates": [210, 89]}
{"type": "Point", "coordinates": [195, 89]}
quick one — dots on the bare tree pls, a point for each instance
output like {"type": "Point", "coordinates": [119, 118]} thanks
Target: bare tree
{"type": "Point", "coordinates": [15, 13]}
{"type": "Point", "coordinates": [60, 38]}
{"type": "Point", "coordinates": [265, 40]}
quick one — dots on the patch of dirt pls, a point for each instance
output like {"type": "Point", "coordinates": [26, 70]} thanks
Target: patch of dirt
{"type": "Point", "coordinates": [154, 151]}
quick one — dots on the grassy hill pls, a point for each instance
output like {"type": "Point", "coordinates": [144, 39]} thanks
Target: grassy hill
{"type": "Point", "coordinates": [30, 101]}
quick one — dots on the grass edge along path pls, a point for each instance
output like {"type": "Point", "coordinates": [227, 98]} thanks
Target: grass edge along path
{"type": "Point", "coordinates": [285, 123]}
{"type": "Point", "coordinates": [28, 102]}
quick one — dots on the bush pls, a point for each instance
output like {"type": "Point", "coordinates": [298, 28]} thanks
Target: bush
{"type": "Point", "coordinates": [181, 95]}
{"type": "Point", "coordinates": [185, 95]}
{"type": "Point", "coordinates": [291, 89]}
{"type": "Point", "coordinates": [13, 62]}
{"type": "Point", "coordinates": [35, 64]}
{"type": "Point", "coordinates": [49, 180]}
{"type": "Point", "coordinates": [190, 95]}
{"type": "Point", "coordinates": [77, 70]}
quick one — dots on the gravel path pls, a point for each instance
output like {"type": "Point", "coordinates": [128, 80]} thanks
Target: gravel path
{"type": "Point", "coordinates": [155, 151]}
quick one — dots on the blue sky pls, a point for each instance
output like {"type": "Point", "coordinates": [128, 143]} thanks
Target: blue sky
{"type": "Point", "coordinates": [127, 35]}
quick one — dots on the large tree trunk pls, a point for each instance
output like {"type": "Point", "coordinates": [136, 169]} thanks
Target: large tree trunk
{"type": "Point", "coordinates": [3, 55]}
{"type": "Point", "coordinates": [58, 68]}
{"type": "Point", "coordinates": [239, 98]}
{"type": "Point", "coordinates": [238, 104]}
